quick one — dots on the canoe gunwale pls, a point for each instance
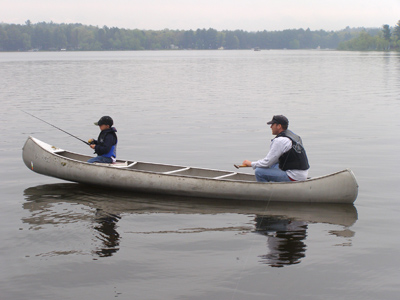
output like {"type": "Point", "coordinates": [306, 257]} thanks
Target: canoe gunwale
{"type": "Point", "coordinates": [176, 172]}
{"type": "Point", "coordinates": [180, 169]}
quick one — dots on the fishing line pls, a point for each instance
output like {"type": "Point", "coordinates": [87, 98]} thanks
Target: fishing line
{"type": "Point", "coordinates": [263, 215]}
{"type": "Point", "coordinates": [251, 247]}
{"type": "Point", "coordinates": [57, 128]}
{"type": "Point", "coordinates": [252, 244]}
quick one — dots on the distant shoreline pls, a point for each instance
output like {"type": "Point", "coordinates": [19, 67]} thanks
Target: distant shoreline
{"type": "Point", "coordinates": [77, 37]}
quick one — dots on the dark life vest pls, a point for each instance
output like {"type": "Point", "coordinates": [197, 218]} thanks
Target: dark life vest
{"type": "Point", "coordinates": [296, 157]}
{"type": "Point", "coordinates": [113, 142]}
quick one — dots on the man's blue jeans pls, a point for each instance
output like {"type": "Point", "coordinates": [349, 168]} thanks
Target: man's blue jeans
{"type": "Point", "coordinates": [273, 174]}
{"type": "Point", "coordinates": [101, 159]}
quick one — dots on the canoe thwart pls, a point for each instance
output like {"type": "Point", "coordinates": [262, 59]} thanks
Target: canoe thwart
{"type": "Point", "coordinates": [176, 171]}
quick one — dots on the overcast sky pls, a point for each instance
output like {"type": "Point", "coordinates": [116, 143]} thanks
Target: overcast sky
{"type": "Point", "coordinates": [249, 15]}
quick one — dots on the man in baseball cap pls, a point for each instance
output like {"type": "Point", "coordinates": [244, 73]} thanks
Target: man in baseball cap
{"type": "Point", "coordinates": [279, 119]}
{"type": "Point", "coordinates": [286, 160]}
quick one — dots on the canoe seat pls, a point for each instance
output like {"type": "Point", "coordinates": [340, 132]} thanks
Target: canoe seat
{"type": "Point", "coordinates": [226, 175]}
{"type": "Point", "coordinates": [119, 164]}
{"type": "Point", "coordinates": [176, 171]}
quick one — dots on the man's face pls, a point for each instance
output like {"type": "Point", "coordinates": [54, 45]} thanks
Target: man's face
{"type": "Point", "coordinates": [276, 128]}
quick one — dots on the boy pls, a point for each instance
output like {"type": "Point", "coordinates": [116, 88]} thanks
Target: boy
{"type": "Point", "coordinates": [106, 144]}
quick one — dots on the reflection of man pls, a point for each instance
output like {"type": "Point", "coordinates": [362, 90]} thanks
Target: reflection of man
{"type": "Point", "coordinates": [108, 234]}
{"type": "Point", "coordinates": [285, 240]}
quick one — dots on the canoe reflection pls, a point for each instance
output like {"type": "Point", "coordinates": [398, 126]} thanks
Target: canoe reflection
{"type": "Point", "coordinates": [284, 224]}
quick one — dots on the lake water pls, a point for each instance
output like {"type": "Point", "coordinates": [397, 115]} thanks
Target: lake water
{"type": "Point", "coordinates": [205, 109]}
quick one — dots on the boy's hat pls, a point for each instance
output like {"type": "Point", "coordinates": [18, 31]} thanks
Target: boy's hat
{"type": "Point", "coordinates": [105, 120]}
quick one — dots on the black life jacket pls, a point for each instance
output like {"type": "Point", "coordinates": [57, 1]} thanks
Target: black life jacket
{"type": "Point", "coordinates": [102, 136]}
{"type": "Point", "coordinates": [296, 157]}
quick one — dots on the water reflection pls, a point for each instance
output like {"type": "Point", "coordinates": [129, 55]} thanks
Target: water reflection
{"type": "Point", "coordinates": [285, 239]}
{"type": "Point", "coordinates": [283, 224]}
{"type": "Point", "coordinates": [108, 234]}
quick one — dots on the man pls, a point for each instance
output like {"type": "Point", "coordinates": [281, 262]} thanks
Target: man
{"type": "Point", "coordinates": [106, 144]}
{"type": "Point", "coordinates": [286, 159]}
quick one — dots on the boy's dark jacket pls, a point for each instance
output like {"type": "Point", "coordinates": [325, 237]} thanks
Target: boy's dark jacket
{"type": "Point", "coordinates": [106, 140]}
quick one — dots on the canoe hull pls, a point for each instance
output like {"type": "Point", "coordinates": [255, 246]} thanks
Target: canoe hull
{"type": "Point", "coordinates": [340, 187]}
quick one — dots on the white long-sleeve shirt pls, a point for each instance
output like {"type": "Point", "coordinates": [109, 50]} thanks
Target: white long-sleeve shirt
{"type": "Point", "coordinates": [279, 146]}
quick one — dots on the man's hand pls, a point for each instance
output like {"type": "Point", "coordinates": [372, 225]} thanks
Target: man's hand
{"type": "Point", "coordinates": [246, 163]}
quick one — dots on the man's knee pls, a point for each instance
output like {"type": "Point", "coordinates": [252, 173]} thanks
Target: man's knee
{"type": "Point", "coordinates": [260, 176]}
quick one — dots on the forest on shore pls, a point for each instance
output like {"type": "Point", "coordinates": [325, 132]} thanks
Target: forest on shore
{"type": "Point", "coordinates": [44, 36]}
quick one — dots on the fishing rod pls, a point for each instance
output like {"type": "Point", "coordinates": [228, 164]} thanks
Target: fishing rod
{"type": "Point", "coordinates": [57, 128]}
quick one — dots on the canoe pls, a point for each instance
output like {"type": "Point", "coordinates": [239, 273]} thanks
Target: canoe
{"type": "Point", "coordinates": [42, 158]}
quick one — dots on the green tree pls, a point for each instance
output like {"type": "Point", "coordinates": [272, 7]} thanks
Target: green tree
{"type": "Point", "coordinates": [201, 39]}
{"type": "Point", "coordinates": [59, 38]}
{"type": "Point", "coordinates": [42, 37]}
{"type": "Point", "coordinates": [3, 39]}
{"type": "Point", "coordinates": [386, 32]}
{"type": "Point", "coordinates": [101, 37]}
{"type": "Point", "coordinates": [16, 39]}
{"type": "Point", "coordinates": [332, 41]}
{"type": "Point", "coordinates": [211, 39]}
{"type": "Point", "coordinates": [396, 31]}
{"type": "Point", "coordinates": [166, 38]}
{"type": "Point", "coordinates": [362, 42]}
{"type": "Point", "coordinates": [386, 35]}
{"type": "Point", "coordinates": [188, 40]}
{"type": "Point", "coordinates": [231, 41]}
{"type": "Point", "coordinates": [294, 44]}
{"type": "Point", "coordinates": [396, 36]}
{"type": "Point", "coordinates": [308, 39]}
{"type": "Point", "coordinates": [85, 38]}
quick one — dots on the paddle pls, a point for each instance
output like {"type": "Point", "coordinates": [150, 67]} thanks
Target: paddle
{"type": "Point", "coordinates": [240, 166]}
{"type": "Point", "coordinates": [57, 128]}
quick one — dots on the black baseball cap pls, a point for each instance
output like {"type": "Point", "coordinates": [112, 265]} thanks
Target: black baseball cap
{"type": "Point", "coordinates": [105, 120]}
{"type": "Point", "coordinates": [279, 119]}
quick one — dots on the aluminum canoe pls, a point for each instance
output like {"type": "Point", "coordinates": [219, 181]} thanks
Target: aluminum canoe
{"type": "Point", "coordinates": [42, 158]}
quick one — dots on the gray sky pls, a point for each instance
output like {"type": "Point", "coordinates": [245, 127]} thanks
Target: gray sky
{"type": "Point", "coordinates": [249, 15]}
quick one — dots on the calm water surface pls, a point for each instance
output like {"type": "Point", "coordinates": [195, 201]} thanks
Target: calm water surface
{"type": "Point", "coordinates": [206, 109]}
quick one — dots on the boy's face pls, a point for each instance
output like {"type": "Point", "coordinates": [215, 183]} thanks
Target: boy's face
{"type": "Point", "coordinates": [104, 127]}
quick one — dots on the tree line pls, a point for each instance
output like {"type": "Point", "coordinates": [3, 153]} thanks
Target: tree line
{"type": "Point", "coordinates": [44, 36]}
{"type": "Point", "coordinates": [387, 39]}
